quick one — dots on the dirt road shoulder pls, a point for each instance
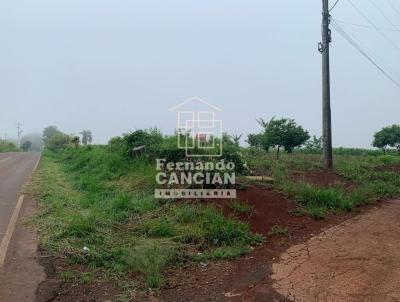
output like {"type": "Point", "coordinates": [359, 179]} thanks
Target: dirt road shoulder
{"type": "Point", "coordinates": [22, 273]}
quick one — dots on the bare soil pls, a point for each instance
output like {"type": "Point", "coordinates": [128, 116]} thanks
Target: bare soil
{"type": "Point", "coordinates": [358, 260]}
{"type": "Point", "coordinates": [323, 178]}
{"type": "Point", "coordinates": [54, 288]}
{"type": "Point", "coordinates": [247, 278]}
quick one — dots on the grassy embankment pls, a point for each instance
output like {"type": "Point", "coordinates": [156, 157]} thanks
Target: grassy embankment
{"type": "Point", "coordinates": [98, 209]}
{"type": "Point", "coordinates": [91, 197]}
{"type": "Point", "coordinates": [370, 176]}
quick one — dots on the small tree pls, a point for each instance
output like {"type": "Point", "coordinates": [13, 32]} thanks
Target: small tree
{"type": "Point", "coordinates": [283, 133]}
{"type": "Point", "coordinates": [49, 132]}
{"type": "Point", "coordinates": [26, 146]}
{"type": "Point", "coordinates": [236, 139]}
{"type": "Point", "coordinates": [388, 137]}
{"type": "Point", "coordinates": [86, 137]}
{"type": "Point", "coordinates": [76, 140]}
{"type": "Point", "coordinates": [36, 140]}
{"type": "Point", "coordinates": [314, 144]}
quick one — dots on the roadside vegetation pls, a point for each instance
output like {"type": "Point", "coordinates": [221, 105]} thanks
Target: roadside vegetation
{"type": "Point", "coordinates": [7, 147]}
{"type": "Point", "coordinates": [98, 208]}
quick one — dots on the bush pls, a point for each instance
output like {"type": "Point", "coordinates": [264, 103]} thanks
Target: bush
{"type": "Point", "coordinates": [58, 141]}
{"type": "Point", "coordinates": [151, 140]}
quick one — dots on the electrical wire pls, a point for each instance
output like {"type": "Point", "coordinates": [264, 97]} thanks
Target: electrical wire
{"type": "Point", "coordinates": [367, 26]}
{"type": "Point", "coordinates": [374, 26]}
{"type": "Point", "coordinates": [352, 42]}
{"type": "Point", "coordinates": [394, 7]}
{"type": "Point", "coordinates": [363, 45]}
{"type": "Point", "coordinates": [383, 14]}
{"type": "Point", "coordinates": [337, 1]}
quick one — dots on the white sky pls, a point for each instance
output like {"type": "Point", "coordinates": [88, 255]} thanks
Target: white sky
{"type": "Point", "coordinates": [114, 66]}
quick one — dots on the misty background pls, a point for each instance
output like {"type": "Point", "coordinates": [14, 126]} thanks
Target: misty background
{"type": "Point", "coordinates": [115, 66]}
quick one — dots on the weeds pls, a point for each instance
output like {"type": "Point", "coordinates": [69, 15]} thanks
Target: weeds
{"type": "Point", "coordinates": [240, 208]}
{"type": "Point", "coordinates": [97, 209]}
{"type": "Point", "coordinates": [277, 230]}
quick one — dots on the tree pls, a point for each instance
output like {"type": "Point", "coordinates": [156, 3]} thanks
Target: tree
{"type": "Point", "coordinates": [257, 141]}
{"type": "Point", "coordinates": [36, 141]}
{"type": "Point", "coordinates": [76, 140]}
{"type": "Point", "coordinates": [49, 132]}
{"type": "Point", "coordinates": [387, 137]}
{"type": "Point", "coordinates": [314, 144]}
{"type": "Point", "coordinates": [58, 141]}
{"type": "Point", "coordinates": [86, 137]}
{"type": "Point", "coordinates": [283, 133]}
{"type": "Point", "coordinates": [26, 146]}
{"type": "Point", "coordinates": [236, 139]}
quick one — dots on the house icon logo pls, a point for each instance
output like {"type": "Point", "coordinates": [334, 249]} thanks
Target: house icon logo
{"type": "Point", "coordinates": [199, 131]}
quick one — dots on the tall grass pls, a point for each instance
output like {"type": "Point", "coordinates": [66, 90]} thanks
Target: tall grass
{"type": "Point", "coordinates": [97, 209]}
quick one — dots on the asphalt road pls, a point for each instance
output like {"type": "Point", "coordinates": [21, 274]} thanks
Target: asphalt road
{"type": "Point", "coordinates": [20, 270]}
{"type": "Point", "coordinates": [15, 169]}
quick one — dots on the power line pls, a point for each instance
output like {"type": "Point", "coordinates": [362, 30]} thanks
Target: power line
{"type": "Point", "coordinates": [337, 1]}
{"type": "Point", "coordinates": [394, 7]}
{"type": "Point", "coordinates": [383, 14]}
{"type": "Point", "coordinates": [367, 26]}
{"type": "Point", "coordinates": [377, 57]}
{"type": "Point", "coordinates": [352, 42]}
{"type": "Point", "coordinates": [374, 26]}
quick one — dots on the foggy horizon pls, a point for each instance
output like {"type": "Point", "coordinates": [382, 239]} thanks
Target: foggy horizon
{"type": "Point", "coordinates": [116, 67]}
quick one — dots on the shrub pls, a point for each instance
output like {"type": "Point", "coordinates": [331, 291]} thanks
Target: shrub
{"type": "Point", "coordinates": [151, 140]}
{"type": "Point", "coordinates": [58, 142]}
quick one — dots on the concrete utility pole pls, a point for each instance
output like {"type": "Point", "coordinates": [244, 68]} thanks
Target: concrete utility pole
{"type": "Point", "coordinates": [326, 90]}
{"type": "Point", "coordinates": [19, 133]}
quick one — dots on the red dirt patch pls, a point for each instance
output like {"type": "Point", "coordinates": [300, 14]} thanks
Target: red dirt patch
{"type": "Point", "coordinates": [269, 208]}
{"type": "Point", "coordinates": [55, 289]}
{"type": "Point", "coordinates": [246, 278]}
{"type": "Point", "coordinates": [323, 178]}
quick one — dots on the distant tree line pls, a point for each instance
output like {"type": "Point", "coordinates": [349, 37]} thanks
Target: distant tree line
{"type": "Point", "coordinates": [54, 139]}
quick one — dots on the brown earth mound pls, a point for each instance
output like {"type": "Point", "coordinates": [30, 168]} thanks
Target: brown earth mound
{"type": "Point", "coordinates": [268, 208]}
{"type": "Point", "coordinates": [323, 178]}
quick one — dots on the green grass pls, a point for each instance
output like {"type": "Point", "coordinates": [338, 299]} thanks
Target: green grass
{"type": "Point", "coordinates": [97, 209]}
{"type": "Point", "coordinates": [367, 170]}
{"type": "Point", "coordinates": [240, 207]}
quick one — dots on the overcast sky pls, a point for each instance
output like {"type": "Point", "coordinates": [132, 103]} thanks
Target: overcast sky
{"type": "Point", "coordinates": [118, 65]}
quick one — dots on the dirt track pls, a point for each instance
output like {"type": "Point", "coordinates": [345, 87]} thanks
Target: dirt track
{"type": "Point", "coordinates": [357, 260]}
